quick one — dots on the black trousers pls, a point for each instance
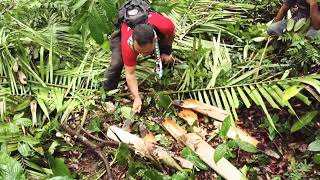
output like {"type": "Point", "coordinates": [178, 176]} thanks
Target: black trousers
{"type": "Point", "coordinates": [113, 73]}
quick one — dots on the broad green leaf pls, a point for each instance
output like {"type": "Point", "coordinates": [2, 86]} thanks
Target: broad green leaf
{"type": "Point", "coordinates": [95, 125]}
{"type": "Point", "coordinates": [300, 96]}
{"type": "Point", "coordinates": [165, 101]}
{"type": "Point", "coordinates": [180, 175]}
{"type": "Point", "coordinates": [290, 25]}
{"type": "Point", "coordinates": [59, 168]}
{"type": "Point", "coordinates": [122, 154]}
{"type": "Point", "coordinates": [279, 91]}
{"type": "Point", "coordinates": [226, 125]}
{"type": "Point", "coordinates": [188, 154]}
{"type": "Point", "coordinates": [244, 97]}
{"type": "Point", "coordinates": [314, 146]}
{"type": "Point", "coordinates": [78, 4]}
{"type": "Point", "coordinates": [291, 92]}
{"type": "Point", "coordinates": [43, 107]}
{"type": "Point", "coordinates": [244, 170]}
{"type": "Point", "coordinates": [299, 24]}
{"type": "Point", "coordinates": [246, 146]}
{"type": "Point", "coordinates": [163, 140]}
{"type": "Point", "coordinates": [305, 120]}
{"type": "Point", "coordinates": [151, 175]}
{"type": "Point", "coordinates": [24, 149]}
{"type": "Point", "coordinates": [52, 147]}
{"type": "Point", "coordinates": [23, 105]}
{"type": "Point", "coordinates": [97, 27]}
{"type": "Point", "coordinates": [316, 159]}
{"type": "Point", "coordinates": [60, 178]}
{"type": "Point", "coordinates": [23, 122]}
{"type": "Point", "coordinates": [220, 152]}
{"type": "Point", "coordinates": [10, 168]}
{"type": "Point", "coordinates": [127, 112]}
{"type": "Point", "coordinates": [30, 140]}
{"type": "Point", "coordinates": [110, 8]}
{"type": "Point", "coordinates": [9, 128]}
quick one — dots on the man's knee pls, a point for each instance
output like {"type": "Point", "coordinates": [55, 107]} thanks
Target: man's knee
{"type": "Point", "coordinates": [277, 28]}
{"type": "Point", "coordinates": [312, 34]}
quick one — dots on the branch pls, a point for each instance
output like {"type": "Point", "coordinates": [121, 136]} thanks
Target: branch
{"type": "Point", "coordinates": [104, 142]}
{"type": "Point", "coordinates": [84, 141]}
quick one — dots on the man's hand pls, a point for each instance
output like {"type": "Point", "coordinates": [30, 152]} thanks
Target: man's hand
{"type": "Point", "coordinates": [167, 59]}
{"type": "Point", "coordinates": [137, 105]}
{"type": "Point", "coordinates": [312, 2]}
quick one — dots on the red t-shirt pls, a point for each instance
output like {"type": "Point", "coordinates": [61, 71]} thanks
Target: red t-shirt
{"type": "Point", "coordinates": [162, 23]}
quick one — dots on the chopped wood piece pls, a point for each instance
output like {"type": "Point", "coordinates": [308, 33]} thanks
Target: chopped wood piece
{"type": "Point", "coordinates": [174, 129]}
{"type": "Point", "coordinates": [143, 147]}
{"type": "Point", "coordinates": [188, 116]}
{"type": "Point", "coordinates": [202, 108]}
{"type": "Point", "coordinates": [233, 132]}
{"type": "Point", "coordinates": [120, 135]}
{"type": "Point", "coordinates": [184, 163]}
{"type": "Point", "coordinates": [202, 149]}
{"type": "Point", "coordinates": [206, 153]}
{"type": "Point", "coordinates": [236, 132]}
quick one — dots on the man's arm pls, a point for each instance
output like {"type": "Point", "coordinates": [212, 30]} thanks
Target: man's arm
{"type": "Point", "coordinates": [282, 12]}
{"type": "Point", "coordinates": [133, 87]}
{"type": "Point", "coordinates": [314, 14]}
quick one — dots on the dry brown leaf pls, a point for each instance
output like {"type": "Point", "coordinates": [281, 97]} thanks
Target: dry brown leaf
{"type": "Point", "coordinates": [22, 77]}
{"type": "Point", "coordinates": [202, 108]}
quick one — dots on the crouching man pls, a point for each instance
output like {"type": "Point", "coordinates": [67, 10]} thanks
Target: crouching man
{"type": "Point", "coordinates": [306, 9]}
{"type": "Point", "coordinates": [141, 32]}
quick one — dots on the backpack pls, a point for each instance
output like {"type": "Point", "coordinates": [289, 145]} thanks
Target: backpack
{"type": "Point", "coordinates": [133, 12]}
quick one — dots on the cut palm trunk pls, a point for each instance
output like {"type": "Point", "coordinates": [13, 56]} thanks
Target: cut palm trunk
{"type": "Point", "coordinates": [202, 108]}
{"type": "Point", "coordinates": [142, 147]}
{"type": "Point", "coordinates": [234, 132]}
{"type": "Point", "coordinates": [206, 153]}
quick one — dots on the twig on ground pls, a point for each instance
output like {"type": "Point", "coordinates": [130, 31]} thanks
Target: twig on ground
{"type": "Point", "coordinates": [104, 142]}
{"type": "Point", "coordinates": [84, 141]}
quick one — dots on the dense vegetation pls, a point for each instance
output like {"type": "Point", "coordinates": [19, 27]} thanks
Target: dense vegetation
{"type": "Point", "coordinates": [53, 54]}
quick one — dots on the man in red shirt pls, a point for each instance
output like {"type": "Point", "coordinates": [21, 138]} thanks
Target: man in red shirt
{"type": "Point", "coordinates": [159, 31]}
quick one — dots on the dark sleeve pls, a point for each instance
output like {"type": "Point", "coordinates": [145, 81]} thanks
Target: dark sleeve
{"type": "Point", "coordinates": [290, 3]}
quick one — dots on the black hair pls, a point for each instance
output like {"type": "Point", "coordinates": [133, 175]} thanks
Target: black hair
{"type": "Point", "coordinates": [143, 34]}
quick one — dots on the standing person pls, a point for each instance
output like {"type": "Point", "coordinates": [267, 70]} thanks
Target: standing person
{"type": "Point", "coordinates": [141, 32]}
{"type": "Point", "coordinates": [306, 9]}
